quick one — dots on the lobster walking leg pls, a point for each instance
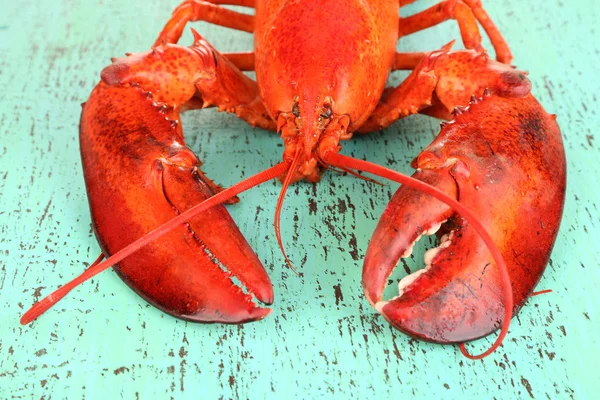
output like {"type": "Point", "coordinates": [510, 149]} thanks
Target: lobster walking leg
{"type": "Point", "coordinates": [466, 13]}
{"type": "Point", "coordinates": [408, 61]}
{"type": "Point", "coordinates": [242, 3]}
{"type": "Point", "coordinates": [209, 11]}
{"type": "Point", "coordinates": [242, 61]}
{"type": "Point", "coordinates": [198, 10]}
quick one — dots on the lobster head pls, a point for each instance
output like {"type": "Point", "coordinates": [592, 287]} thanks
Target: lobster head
{"type": "Point", "coordinates": [308, 75]}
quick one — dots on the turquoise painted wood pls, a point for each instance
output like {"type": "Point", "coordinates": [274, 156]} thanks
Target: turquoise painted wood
{"type": "Point", "coordinates": [323, 340]}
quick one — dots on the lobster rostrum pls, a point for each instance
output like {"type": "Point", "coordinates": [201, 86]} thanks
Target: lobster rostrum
{"type": "Point", "coordinates": [491, 185]}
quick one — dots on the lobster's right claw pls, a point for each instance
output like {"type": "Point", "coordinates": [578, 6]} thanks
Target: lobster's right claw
{"type": "Point", "coordinates": [502, 158]}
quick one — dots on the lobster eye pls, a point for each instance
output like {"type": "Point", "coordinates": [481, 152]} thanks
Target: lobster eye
{"type": "Point", "coordinates": [296, 110]}
{"type": "Point", "coordinates": [326, 111]}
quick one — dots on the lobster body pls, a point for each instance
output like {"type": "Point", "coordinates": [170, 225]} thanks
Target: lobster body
{"type": "Point", "coordinates": [321, 68]}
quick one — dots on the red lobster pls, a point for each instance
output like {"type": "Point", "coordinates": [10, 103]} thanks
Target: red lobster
{"type": "Point", "coordinates": [321, 66]}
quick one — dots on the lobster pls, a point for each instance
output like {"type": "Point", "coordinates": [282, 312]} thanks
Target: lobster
{"type": "Point", "coordinates": [491, 185]}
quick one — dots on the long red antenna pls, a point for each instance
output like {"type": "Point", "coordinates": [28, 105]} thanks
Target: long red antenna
{"type": "Point", "coordinates": [540, 292]}
{"type": "Point", "coordinates": [43, 305]}
{"type": "Point", "coordinates": [286, 184]}
{"type": "Point", "coordinates": [340, 160]}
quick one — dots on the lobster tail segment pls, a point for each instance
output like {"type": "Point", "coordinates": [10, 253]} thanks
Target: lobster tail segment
{"type": "Point", "coordinates": [502, 158]}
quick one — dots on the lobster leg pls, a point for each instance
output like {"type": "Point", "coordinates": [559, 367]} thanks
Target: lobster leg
{"type": "Point", "coordinates": [242, 61]}
{"type": "Point", "coordinates": [432, 87]}
{"type": "Point", "coordinates": [242, 3]}
{"type": "Point", "coordinates": [223, 85]}
{"type": "Point", "coordinates": [220, 84]}
{"type": "Point", "coordinates": [198, 10]}
{"type": "Point", "coordinates": [408, 61]}
{"type": "Point", "coordinates": [466, 13]}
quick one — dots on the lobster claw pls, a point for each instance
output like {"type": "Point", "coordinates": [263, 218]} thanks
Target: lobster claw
{"type": "Point", "coordinates": [139, 174]}
{"type": "Point", "coordinates": [501, 157]}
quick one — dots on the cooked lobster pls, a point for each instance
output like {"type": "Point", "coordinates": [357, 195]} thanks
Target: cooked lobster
{"type": "Point", "coordinates": [491, 185]}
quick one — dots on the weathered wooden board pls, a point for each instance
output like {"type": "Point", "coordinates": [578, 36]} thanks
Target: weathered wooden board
{"type": "Point", "coordinates": [323, 339]}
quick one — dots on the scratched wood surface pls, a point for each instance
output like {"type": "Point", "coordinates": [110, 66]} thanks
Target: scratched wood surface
{"type": "Point", "coordinates": [322, 340]}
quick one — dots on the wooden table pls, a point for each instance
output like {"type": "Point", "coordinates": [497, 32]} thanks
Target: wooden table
{"type": "Point", "coordinates": [323, 340]}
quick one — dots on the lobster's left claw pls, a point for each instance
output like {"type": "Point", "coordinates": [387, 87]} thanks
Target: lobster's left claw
{"type": "Point", "coordinates": [503, 159]}
{"type": "Point", "coordinates": [139, 175]}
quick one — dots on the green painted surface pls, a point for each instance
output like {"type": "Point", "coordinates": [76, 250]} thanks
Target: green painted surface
{"type": "Point", "coordinates": [323, 339]}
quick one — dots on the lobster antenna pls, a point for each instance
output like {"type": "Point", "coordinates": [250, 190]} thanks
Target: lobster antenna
{"type": "Point", "coordinates": [340, 160]}
{"type": "Point", "coordinates": [43, 305]}
{"type": "Point", "coordinates": [545, 291]}
{"type": "Point", "coordinates": [353, 173]}
{"type": "Point", "coordinates": [286, 184]}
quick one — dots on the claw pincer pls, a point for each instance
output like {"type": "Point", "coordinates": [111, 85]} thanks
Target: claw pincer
{"type": "Point", "coordinates": [502, 157]}
{"type": "Point", "coordinates": [139, 174]}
